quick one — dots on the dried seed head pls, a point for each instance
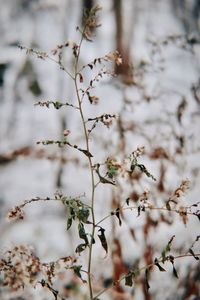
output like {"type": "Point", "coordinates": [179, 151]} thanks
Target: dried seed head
{"type": "Point", "coordinates": [16, 214]}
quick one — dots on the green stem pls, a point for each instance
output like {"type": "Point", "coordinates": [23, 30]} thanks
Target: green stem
{"type": "Point", "coordinates": [90, 167]}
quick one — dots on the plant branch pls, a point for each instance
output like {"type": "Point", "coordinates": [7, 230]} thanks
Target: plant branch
{"type": "Point", "coordinates": [112, 213]}
{"type": "Point", "coordinates": [52, 290]}
{"type": "Point", "coordinates": [43, 56]}
{"type": "Point", "coordinates": [90, 164]}
{"type": "Point", "coordinates": [160, 260]}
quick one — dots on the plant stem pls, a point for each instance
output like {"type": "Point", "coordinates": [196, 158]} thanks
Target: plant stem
{"type": "Point", "coordinates": [90, 168]}
{"type": "Point", "coordinates": [146, 208]}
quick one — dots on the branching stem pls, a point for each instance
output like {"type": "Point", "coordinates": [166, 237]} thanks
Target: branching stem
{"type": "Point", "coordinates": [90, 166]}
{"type": "Point", "coordinates": [141, 269]}
{"type": "Point", "coordinates": [146, 208]}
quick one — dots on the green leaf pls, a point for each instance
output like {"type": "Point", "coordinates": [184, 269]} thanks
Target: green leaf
{"type": "Point", "coordinates": [112, 171]}
{"type": "Point", "coordinates": [101, 178]}
{"type": "Point", "coordinates": [57, 104]}
{"type": "Point", "coordinates": [83, 214]}
{"type": "Point", "coordinates": [103, 239]}
{"type": "Point", "coordinates": [168, 205]}
{"type": "Point", "coordinates": [80, 248]}
{"type": "Point", "coordinates": [167, 249]}
{"type": "Point", "coordinates": [69, 223]}
{"type": "Point", "coordinates": [82, 233]}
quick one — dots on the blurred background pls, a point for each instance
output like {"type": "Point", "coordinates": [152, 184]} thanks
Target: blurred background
{"type": "Point", "coordinates": [157, 98]}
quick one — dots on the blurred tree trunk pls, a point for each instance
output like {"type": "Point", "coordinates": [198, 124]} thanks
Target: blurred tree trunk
{"type": "Point", "coordinates": [122, 46]}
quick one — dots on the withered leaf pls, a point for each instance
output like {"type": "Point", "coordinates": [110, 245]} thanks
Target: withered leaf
{"type": "Point", "coordinates": [147, 279]}
{"type": "Point", "coordinates": [90, 66]}
{"type": "Point", "coordinates": [145, 171]}
{"type": "Point", "coordinates": [139, 209]}
{"type": "Point", "coordinates": [129, 279]}
{"type": "Point", "coordinates": [156, 263]}
{"type": "Point", "coordinates": [175, 272]}
{"type": "Point", "coordinates": [193, 254]}
{"type": "Point", "coordinates": [171, 258]}
{"type": "Point", "coordinates": [86, 152]}
{"type": "Point", "coordinates": [117, 213]}
{"type": "Point", "coordinates": [69, 223]}
{"type": "Point", "coordinates": [77, 271]}
{"type": "Point", "coordinates": [103, 239]}
{"type": "Point", "coordinates": [104, 180]}
{"type": "Point", "coordinates": [82, 233]}
{"type": "Point", "coordinates": [168, 205]}
{"type": "Point", "coordinates": [80, 77]}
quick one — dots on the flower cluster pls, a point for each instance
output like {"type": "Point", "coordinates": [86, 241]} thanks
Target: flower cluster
{"type": "Point", "coordinates": [20, 266]}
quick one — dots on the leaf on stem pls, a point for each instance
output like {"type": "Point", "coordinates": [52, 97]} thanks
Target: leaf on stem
{"type": "Point", "coordinates": [193, 254]}
{"type": "Point", "coordinates": [145, 171]}
{"type": "Point", "coordinates": [167, 248]}
{"type": "Point", "coordinates": [101, 178]}
{"type": "Point", "coordinates": [147, 279]}
{"type": "Point", "coordinates": [129, 279]}
{"type": "Point", "coordinates": [86, 152]}
{"type": "Point", "coordinates": [117, 213]}
{"type": "Point", "coordinates": [171, 258]}
{"type": "Point", "coordinates": [82, 233]}
{"type": "Point", "coordinates": [77, 271]}
{"type": "Point", "coordinates": [80, 77]}
{"type": "Point", "coordinates": [80, 248]}
{"type": "Point", "coordinates": [156, 263]}
{"type": "Point", "coordinates": [103, 239]}
{"type": "Point", "coordinates": [69, 223]}
{"type": "Point", "coordinates": [128, 201]}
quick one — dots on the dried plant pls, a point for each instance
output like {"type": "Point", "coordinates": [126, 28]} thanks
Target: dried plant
{"type": "Point", "coordinates": [20, 266]}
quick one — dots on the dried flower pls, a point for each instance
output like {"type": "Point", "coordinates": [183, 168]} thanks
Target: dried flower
{"type": "Point", "coordinates": [139, 151]}
{"type": "Point", "coordinates": [16, 213]}
{"type": "Point", "coordinates": [93, 99]}
{"type": "Point", "coordinates": [20, 266]}
{"type": "Point", "coordinates": [114, 57]}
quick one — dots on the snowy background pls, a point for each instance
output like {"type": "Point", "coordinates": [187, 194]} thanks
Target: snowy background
{"type": "Point", "coordinates": [149, 108]}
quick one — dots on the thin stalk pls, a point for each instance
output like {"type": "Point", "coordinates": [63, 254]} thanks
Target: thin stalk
{"type": "Point", "coordinates": [111, 214]}
{"type": "Point", "coordinates": [90, 167]}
